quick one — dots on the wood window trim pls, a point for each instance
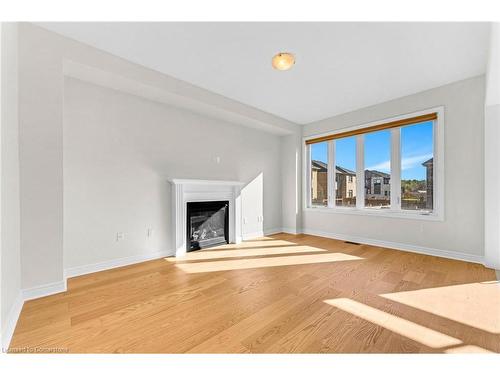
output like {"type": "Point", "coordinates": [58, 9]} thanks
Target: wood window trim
{"type": "Point", "coordinates": [369, 129]}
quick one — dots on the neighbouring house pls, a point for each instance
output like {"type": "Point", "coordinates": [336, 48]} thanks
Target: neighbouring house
{"type": "Point", "coordinates": [345, 179]}
{"type": "Point", "coordinates": [345, 184]}
{"type": "Point", "coordinates": [429, 166]}
{"type": "Point", "coordinates": [319, 185]}
{"type": "Point", "coordinates": [377, 188]}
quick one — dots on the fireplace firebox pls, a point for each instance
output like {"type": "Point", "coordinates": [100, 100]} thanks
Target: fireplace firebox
{"type": "Point", "coordinates": [207, 224]}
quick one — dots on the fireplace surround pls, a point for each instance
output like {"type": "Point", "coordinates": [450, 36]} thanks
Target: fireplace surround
{"type": "Point", "coordinates": [186, 191]}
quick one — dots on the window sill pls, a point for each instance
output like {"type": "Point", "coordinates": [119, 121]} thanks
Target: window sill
{"type": "Point", "coordinates": [377, 212]}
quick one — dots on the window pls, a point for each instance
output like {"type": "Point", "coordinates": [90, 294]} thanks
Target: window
{"type": "Point", "coordinates": [390, 168]}
{"type": "Point", "coordinates": [319, 174]}
{"type": "Point", "coordinates": [417, 167]}
{"type": "Point", "coordinates": [377, 168]}
{"type": "Point", "coordinates": [345, 167]}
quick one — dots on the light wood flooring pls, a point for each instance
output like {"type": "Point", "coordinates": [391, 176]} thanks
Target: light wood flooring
{"type": "Point", "coordinates": [279, 294]}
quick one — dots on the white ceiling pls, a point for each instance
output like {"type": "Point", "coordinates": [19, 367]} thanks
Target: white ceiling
{"type": "Point", "coordinates": [339, 67]}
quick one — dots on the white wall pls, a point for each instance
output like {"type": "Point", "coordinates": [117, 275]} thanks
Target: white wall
{"type": "Point", "coordinates": [40, 157]}
{"type": "Point", "coordinates": [493, 68]}
{"type": "Point", "coordinates": [492, 152]}
{"type": "Point", "coordinates": [291, 189]}
{"type": "Point", "coordinates": [463, 226]}
{"type": "Point", "coordinates": [119, 152]}
{"type": "Point", "coordinates": [10, 220]}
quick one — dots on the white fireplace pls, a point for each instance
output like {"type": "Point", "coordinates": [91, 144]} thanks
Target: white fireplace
{"type": "Point", "coordinates": [184, 191]}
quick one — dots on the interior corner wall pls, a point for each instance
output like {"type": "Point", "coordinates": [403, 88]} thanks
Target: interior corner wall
{"type": "Point", "coordinates": [10, 219]}
{"type": "Point", "coordinates": [462, 231]}
{"type": "Point", "coordinates": [492, 186]}
{"type": "Point", "coordinates": [291, 167]}
{"type": "Point", "coordinates": [492, 152]}
{"type": "Point", "coordinates": [40, 157]}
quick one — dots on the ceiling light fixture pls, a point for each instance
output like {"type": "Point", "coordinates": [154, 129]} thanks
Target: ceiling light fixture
{"type": "Point", "coordinates": [283, 61]}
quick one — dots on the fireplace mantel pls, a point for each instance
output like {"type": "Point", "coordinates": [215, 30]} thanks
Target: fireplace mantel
{"type": "Point", "coordinates": [187, 190]}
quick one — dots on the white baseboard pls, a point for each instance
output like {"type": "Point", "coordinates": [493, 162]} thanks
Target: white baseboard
{"type": "Point", "coordinates": [270, 232]}
{"type": "Point", "coordinates": [114, 263]}
{"type": "Point", "coordinates": [61, 286]}
{"type": "Point", "coordinates": [290, 230]}
{"type": "Point", "coordinates": [261, 233]}
{"type": "Point", "coordinates": [23, 296]}
{"type": "Point", "coordinates": [12, 318]}
{"type": "Point", "coordinates": [252, 235]}
{"type": "Point", "coordinates": [492, 265]}
{"type": "Point", "coordinates": [44, 290]}
{"type": "Point", "coordinates": [399, 246]}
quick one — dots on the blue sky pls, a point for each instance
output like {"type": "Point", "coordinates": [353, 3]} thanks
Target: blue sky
{"type": "Point", "coordinates": [416, 147]}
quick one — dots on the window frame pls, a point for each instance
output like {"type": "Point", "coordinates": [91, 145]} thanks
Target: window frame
{"type": "Point", "coordinates": [395, 192]}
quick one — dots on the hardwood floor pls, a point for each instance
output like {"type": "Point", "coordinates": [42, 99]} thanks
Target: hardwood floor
{"type": "Point", "coordinates": [279, 294]}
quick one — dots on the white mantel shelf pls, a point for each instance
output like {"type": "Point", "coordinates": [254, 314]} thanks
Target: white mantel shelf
{"type": "Point", "coordinates": [177, 181]}
{"type": "Point", "coordinates": [190, 190]}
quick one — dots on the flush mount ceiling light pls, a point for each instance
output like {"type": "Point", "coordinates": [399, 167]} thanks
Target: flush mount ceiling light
{"type": "Point", "coordinates": [283, 61]}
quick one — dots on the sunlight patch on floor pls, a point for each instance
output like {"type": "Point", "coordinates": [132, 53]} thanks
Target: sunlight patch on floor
{"type": "Point", "coordinates": [467, 349]}
{"type": "Point", "coordinates": [411, 330]}
{"type": "Point", "coordinates": [475, 304]}
{"type": "Point", "coordinates": [238, 264]}
{"type": "Point", "coordinates": [236, 253]}
{"type": "Point", "coordinates": [262, 242]}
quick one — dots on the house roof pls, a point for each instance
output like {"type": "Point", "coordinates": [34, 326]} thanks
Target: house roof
{"type": "Point", "coordinates": [323, 167]}
{"type": "Point", "coordinates": [345, 171]}
{"type": "Point", "coordinates": [373, 173]}
{"type": "Point", "coordinates": [428, 162]}
{"type": "Point", "coordinates": [319, 165]}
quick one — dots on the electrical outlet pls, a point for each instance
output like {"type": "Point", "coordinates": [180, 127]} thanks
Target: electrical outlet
{"type": "Point", "coordinates": [120, 236]}
{"type": "Point", "coordinates": [149, 232]}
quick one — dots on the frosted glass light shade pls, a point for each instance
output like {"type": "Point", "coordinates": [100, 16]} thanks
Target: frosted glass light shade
{"type": "Point", "coordinates": [283, 61]}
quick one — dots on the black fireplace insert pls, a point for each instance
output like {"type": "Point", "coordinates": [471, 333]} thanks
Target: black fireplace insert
{"type": "Point", "coordinates": [207, 224]}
